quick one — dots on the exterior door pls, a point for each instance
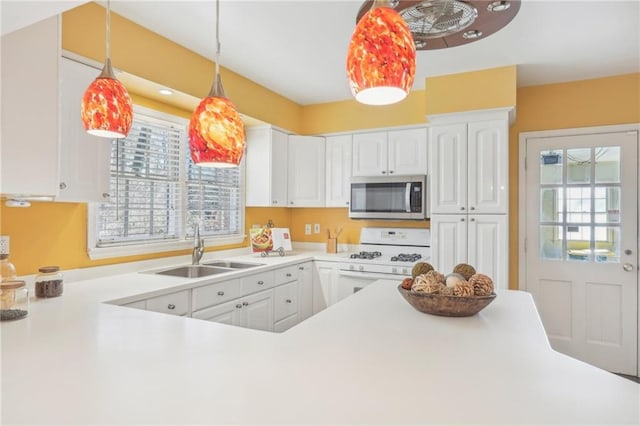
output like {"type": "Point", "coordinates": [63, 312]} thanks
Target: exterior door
{"type": "Point", "coordinates": [582, 244]}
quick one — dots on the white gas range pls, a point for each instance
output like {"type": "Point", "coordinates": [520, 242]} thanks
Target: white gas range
{"type": "Point", "coordinates": [383, 253]}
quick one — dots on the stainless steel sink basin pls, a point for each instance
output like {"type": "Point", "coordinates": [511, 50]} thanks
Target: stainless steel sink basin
{"type": "Point", "coordinates": [194, 271]}
{"type": "Point", "coordinates": [232, 264]}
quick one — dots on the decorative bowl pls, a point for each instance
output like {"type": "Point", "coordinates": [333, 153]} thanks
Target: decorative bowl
{"type": "Point", "coordinates": [446, 306]}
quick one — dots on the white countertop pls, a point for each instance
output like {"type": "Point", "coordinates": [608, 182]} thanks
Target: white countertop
{"type": "Point", "coordinates": [369, 359]}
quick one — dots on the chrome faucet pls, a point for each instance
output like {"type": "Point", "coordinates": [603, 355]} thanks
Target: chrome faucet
{"type": "Point", "coordinates": [198, 247]}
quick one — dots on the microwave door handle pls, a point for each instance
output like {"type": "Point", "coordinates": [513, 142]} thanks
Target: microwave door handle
{"type": "Point", "coordinates": [407, 198]}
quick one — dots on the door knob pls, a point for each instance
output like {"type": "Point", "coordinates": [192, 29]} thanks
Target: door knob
{"type": "Point", "coordinates": [627, 267]}
{"type": "Point", "coordinates": [628, 252]}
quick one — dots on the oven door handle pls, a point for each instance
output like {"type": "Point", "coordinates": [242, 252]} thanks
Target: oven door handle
{"type": "Point", "coordinates": [407, 198]}
{"type": "Point", "coordinates": [368, 275]}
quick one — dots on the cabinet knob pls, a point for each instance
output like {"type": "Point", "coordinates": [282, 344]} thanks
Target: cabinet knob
{"type": "Point", "coordinates": [260, 282]}
{"type": "Point", "coordinates": [472, 219]}
{"type": "Point", "coordinates": [290, 202]}
{"type": "Point", "coordinates": [274, 202]}
{"type": "Point", "coordinates": [171, 306]}
{"type": "Point", "coordinates": [390, 172]}
{"type": "Point", "coordinates": [106, 195]}
{"type": "Point", "coordinates": [347, 203]}
{"type": "Point", "coordinates": [462, 219]}
{"type": "Point", "coordinates": [384, 172]}
{"type": "Point", "coordinates": [245, 303]}
{"type": "Point", "coordinates": [472, 208]}
{"type": "Point", "coordinates": [288, 275]}
{"type": "Point", "coordinates": [288, 300]}
{"type": "Point", "coordinates": [221, 293]}
{"type": "Point", "coordinates": [301, 268]}
{"type": "Point", "coordinates": [461, 208]}
{"type": "Point", "coordinates": [238, 306]}
{"type": "Point", "coordinates": [63, 185]}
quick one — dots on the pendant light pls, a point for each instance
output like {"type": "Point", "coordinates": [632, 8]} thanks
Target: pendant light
{"type": "Point", "coordinates": [216, 131]}
{"type": "Point", "coordinates": [381, 61]}
{"type": "Point", "coordinates": [107, 110]}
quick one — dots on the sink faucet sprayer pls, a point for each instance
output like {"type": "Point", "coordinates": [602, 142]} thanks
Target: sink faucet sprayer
{"type": "Point", "coordinates": [198, 247]}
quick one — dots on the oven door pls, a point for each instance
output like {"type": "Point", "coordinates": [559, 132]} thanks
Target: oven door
{"type": "Point", "coordinates": [350, 282]}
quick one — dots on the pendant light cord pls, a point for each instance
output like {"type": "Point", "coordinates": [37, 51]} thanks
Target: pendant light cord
{"type": "Point", "coordinates": [217, 38]}
{"type": "Point", "coordinates": [108, 29]}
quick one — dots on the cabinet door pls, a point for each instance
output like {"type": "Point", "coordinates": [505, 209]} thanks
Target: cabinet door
{"type": "Point", "coordinates": [370, 154]}
{"type": "Point", "coordinates": [448, 241]}
{"type": "Point", "coordinates": [488, 166]}
{"type": "Point", "coordinates": [306, 171]}
{"type": "Point", "coordinates": [214, 294]}
{"type": "Point", "coordinates": [305, 288]}
{"type": "Point", "coordinates": [338, 170]}
{"type": "Point", "coordinates": [266, 167]}
{"type": "Point", "coordinates": [174, 303]}
{"type": "Point", "coordinates": [279, 171]}
{"type": "Point", "coordinates": [285, 324]}
{"type": "Point", "coordinates": [84, 159]}
{"type": "Point", "coordinates": [30, 130]}
{"type": "Point", "coordinates": [325, 291]}
{"type": "Point", "coordinates": [488, 246]}
{"type": "Point", "coordinates": [257, 311]}
{"type": "Point", "coordinates": [226, 313]}
{"type": "Point", "coordinates": [408, 152]}
{"type": "Point", "coordinates": [448, 168]}
{"type": "Point", "coordinates": [285, 301]}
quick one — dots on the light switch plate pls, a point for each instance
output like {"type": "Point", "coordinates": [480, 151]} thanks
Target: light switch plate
{"type": "Point", "coordinates": [4, 244]}
{"type": "Point", "coordinates": [316, 228]}
{"type": "Point", "coordinates": [307, 229]}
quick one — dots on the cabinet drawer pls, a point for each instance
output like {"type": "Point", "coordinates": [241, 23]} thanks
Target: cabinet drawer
{"type": "Point", "coordinates": [285, 324]}
{"type": "Point", "coordinates": [256, 282]}
{"type": "Point", "coordinates": [286, 300]}
{"type": "Point", "coordinates": [214, 294]}
{"type": "Point", "coordinates": [285, 275]}
{"type": "Point", "coordinates": [140, 304]}
{"type": "Point", "coordinates": [174, 303]}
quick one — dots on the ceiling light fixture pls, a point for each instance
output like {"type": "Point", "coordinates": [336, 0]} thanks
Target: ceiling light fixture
{"type": "Point", "coordinates": [107, 110]}
{"type": "Point", "coordinates": [381, 61]}
{"type": "Point", "coordinates": [216, 131]}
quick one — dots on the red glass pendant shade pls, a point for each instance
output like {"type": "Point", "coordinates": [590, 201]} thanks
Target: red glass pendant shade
{"type": "Point", "coordinates": [381, 61]}
{"type": "Point", "coordinates": [216, 133]}
{"type": "Point", "coordinates": [107, 110]}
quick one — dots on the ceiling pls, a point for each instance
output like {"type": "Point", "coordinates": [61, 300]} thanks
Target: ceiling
{"type": "Point", "coordinates": [298, 48]}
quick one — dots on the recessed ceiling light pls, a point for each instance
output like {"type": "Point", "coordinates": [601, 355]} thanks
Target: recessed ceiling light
{"type": "Point", "coordinates": [166, 92]}
{"type": "Point", "coordinates": [498, 6]}
{"type": "Point", "coordinates": [471, 34]}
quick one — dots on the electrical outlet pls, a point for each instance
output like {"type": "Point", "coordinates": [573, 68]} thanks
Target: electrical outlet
{"type": "Point", "coordinates": [316, 228]}
{"type": "Point", "coordinates": [307, 229]}
{"type": "Point", "coordinates": [4, 244]}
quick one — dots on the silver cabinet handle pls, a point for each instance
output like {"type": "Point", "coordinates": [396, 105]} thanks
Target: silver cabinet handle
{"type": "Point", "coordinates": [461, 208]}
{"type": "Point", "coordinates": [390, 172]}
{"type": "Point", "coordinates": [288, 300]}
{"type": "Point", "coordinates": [347, 203]}
{"type": "Point", "coordinates": [260, 282]}
{"type": "Point", "coordinates": [106, 195]}
{"type": "Point", "coordinates": [171, 306]}
{"type": "Point", "coordinates": [238, 306]}
{"type": "Point", "coordinates": [245, 303]}
{"type": "Point", "coordinates": [462, 219]}
{"type": "Point", "coordinates": [627, 267]}
{"type": "Point", "coordinates": [221, 293]}
{"type": "Point", "coordinates": [63, 185]}
{"type": "Point", "coordinates": [301, 268]}
{"type": "Point", "coordinates": [288, 275]}
{"type": "Point", "coordinates": [290, 202]}
{"type": "Point", "coordinates": [472, 219]}
{"type": "Point", "coordinates": [274, 202]}
{"type": "Point", "coordinates": [384, 172]}
{"type": "Point", "coordinates": [472, 208]}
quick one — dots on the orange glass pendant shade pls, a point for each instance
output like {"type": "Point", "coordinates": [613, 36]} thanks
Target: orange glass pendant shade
{"type": "Point", "coordinates": [216, 133]}
{"type": "Point", "coordinates": [381, 61]}
{"type": "Point", "coordinates": [107, 110]}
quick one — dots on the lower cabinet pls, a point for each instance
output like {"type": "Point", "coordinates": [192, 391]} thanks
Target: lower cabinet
{"type": "Point", "coordinates": [325, 285]}
{"type": "Point", "coordinates": [172, 303]}
{"type": "Point", "coordinates": [253, 311]}
{"type": "Point", "coordinates": [305, 291]}
{"type": "Point", "coordinates": [480, 240]}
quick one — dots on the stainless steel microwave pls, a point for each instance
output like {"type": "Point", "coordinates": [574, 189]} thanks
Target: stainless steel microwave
{"type": "Point", "coordinates": [389, 197]}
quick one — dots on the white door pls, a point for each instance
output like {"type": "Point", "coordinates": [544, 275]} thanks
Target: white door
{"type": "Point", "coordinates": [338, 170]}
{"type": "Point", "coordinates": [582, 245]}
{"type": "Point", "coordinates": [488, 171]}
{"type": "Point", "coordinates": [370, 154]}
{"type": "Point", "coordinates": [408, 152]}
{"type": "Point", "coordinates": [448, 168]}
{"type": "Point", "coordinates": [448, 241]}
{"type": "Point", "coordinates": [306, 171]}
{"type": "Point", "coordinates": [258, 311]}
{"type": "Point", "coordinates": [487, 246]}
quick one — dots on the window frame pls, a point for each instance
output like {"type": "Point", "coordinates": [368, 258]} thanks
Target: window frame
{"type": "Point", "coordinates": [183, 242]}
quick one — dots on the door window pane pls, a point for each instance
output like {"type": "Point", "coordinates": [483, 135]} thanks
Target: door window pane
{"type": "Point", "coordinates": [551, 167]}
{"type": "Point", "coordinates": [551, 242]}
{"type": "Point", "coordinates": [579, 205]}
{"type": "Point", "coordinates": [551, 202]}
{"type": "Point", "coordinates": [607, 244]}
{"type": "Point", "coordinates": [607, 164]}
{"type": "Point", "coordinates": [578, 243]}
{"type": "Point", "coordinates": [607, 204]}
{"type": "Point", "coordinates": [579, 165]}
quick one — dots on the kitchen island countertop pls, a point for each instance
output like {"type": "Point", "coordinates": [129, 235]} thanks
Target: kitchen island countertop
{"type": "Point", "coordinates": [369, 359]}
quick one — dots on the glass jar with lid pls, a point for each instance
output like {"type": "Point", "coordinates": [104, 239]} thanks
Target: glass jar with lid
{"type": "Point", "coordinates": [14, 300]}
{"type": "Point", "coordinates": [7, 270]}
{"type": "Point", "coordinates": [49, 282]}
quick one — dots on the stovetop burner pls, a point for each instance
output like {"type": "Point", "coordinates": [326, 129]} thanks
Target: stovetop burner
{"type": "Point", "coordinates": [366, 255]}
{"type": "Point", "coordinates": [406, 257]}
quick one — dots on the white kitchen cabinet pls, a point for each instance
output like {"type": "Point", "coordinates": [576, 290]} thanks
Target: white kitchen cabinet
{"type": "Point", "coordinates": [30, 80]}
{"type": "Point", "coordinates": [173, 303]}
{"type": "Point", "coordinates": [306, 162]}
{"type": "Point", "coordinates": [254, 311]}
{"type": "Point", "coordinates": [266, 167]}
{"type": "Point", "coordinates": [325, 292]}
{"type": "Point", "coordinates": [286, 323]}
{"type": "Point", "coordinates": [338, 170]}
{"type": "Point", "coordinates": [285, 300]}
{"type": "Point", "coordinates": [305, 288]}
{"type": "Point", "coordinates": [84, 159]}
{"type": "Point", "coordinates": [469, 162]}
{"type": "Point", "coordinates": [480, 240]}
{"type": "Point", "coordinates": [395, 152]}
{"type": "Point", "coordinates": [214, 294]}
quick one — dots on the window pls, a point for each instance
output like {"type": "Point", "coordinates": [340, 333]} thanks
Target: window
{"type": "Point", "coordinates": [159, 194]}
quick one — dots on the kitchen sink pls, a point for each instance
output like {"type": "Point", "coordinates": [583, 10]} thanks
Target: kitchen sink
{"type": "Point", "coordinates": [232, 264]}
{"type": "Point", "coordinates": [194, 271]}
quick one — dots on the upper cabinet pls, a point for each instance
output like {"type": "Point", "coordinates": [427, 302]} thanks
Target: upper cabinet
{"type": "Point", "coordinates": [266, 167]}
{"type": "Point", "coordinates": [469, 162]}
{"type": "Point", "coordinates": [396, 152]}
{"type": "Point", "coordinates": [306, 162]}
{"type": "Point", "coordinates": [338, 170]}
{"type": "Point", "coordinates": [30, 110]}
{"type": "Point", "coordinates": [84, 159]}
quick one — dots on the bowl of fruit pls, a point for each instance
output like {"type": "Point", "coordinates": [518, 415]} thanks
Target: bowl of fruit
{"type": "Point", "coordinates": [462, 293]}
